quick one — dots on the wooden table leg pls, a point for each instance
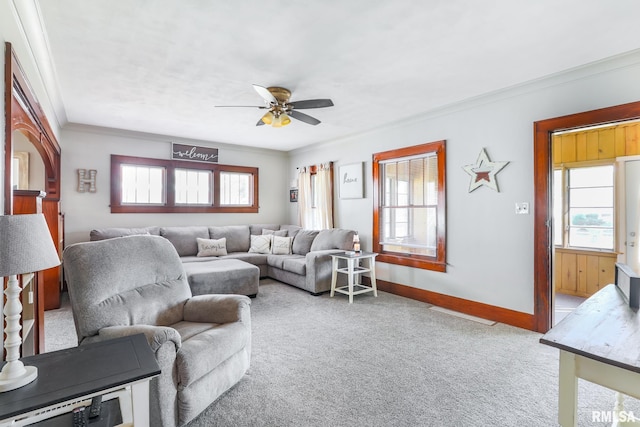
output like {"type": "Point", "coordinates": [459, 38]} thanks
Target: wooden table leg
{"type": "Point", "coordinates": [334, 275]}
{"type": "Point", "coordinates": [372, 275]}
{"type": "Point", "coordinates": [351, 263]}
{"type": "Point", "coordinates": [140, 403]}
{"type": "Point", "coordinates": [568, 390]}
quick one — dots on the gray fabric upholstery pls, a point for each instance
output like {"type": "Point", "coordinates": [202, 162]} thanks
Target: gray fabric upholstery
{"type": "Point", "coordinates": [184, 238]}
{"type": "Point", "coordinates": [335, 238]}
{"type": "Point", "coordinates": [292, 230]}
{"type": "Point", "coordinates": [303, 241]}
{"type": "Point", "coordinates": [313, 274]}
{"type": "Point", "coordinates": [222, 276]}
{"type": "Point", "coordinates": [281, 233]}
{"type": "Point", "coordinates": [137, 285]}
{"type": "Point", "coordinates": [237, 237]}
{"type": "Point", "coordinates": [256, 229]}
{"type": "Point", "coordinates": [110, 233]}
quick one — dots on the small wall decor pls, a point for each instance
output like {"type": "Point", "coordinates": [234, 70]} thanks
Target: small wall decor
{"type": "Point", "coordinates": [87, 178]}
{"type": "Point", "coordinates": [483, 172]}
{"type": "Point", "coordinates": [194, 153]}
{"type": "Point", "coordinates": [351, 181]}
{"type": "Point", "coordinates": [293, 195]}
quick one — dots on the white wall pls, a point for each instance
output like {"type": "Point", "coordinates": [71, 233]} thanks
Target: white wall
{"type": "Point", "coordinates": [91, 148]}
{"type": "Point", "coordinates": [490, 250]}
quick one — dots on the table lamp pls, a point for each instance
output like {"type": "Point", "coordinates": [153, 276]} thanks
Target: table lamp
{"type": "Point", "coordinates": [26, 246]}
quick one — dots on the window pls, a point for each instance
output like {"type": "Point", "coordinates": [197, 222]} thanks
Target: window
{"type": "Point", "coordinates": [586, 194]}
{"type": "Point", "coordinates": [143, 185]}
{"type": "Point", "coordinates": [409, 206]}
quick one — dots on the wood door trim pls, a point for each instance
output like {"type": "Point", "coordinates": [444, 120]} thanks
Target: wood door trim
{"type": "Point", "coordinates": [23, 113]}
{"type": "Point", "coordinates": [542, 169]}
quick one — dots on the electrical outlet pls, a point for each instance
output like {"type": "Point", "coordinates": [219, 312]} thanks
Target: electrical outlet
{"type": "Point", "coordinates": [522, 208]}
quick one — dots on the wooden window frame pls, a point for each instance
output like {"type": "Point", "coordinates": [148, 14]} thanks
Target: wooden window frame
{"type": "Point", "coordinates": [170, 206]}
{"type": "Point", "coordinates": [437, 263]}
{"type": "Point", "coordinates": [565, 168]}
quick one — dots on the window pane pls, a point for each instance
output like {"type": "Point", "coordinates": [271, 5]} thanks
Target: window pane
{"type": "Point", "coordinates": [591, 197]}
{"type": "Point", "coordinates": [235, 188]}
{"type": "Point", "coordinates": [594, 176]}
{"type": "Point", "coordinates": [594, 217]}
{"type": "Point", "coordinates": [409, 230]}
{"type": "Point", "coordinates": [597, 238]}
{"type": "Point", "coordinates": [193, 187]}
{"type": "Point", "coordinates": [142, 184]}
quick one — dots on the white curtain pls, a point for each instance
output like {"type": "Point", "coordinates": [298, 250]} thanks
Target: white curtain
{"type": "Point", "coordinates": [315, 197]}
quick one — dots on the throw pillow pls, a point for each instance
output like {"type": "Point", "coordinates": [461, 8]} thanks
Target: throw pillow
{"type": "Point", "coordinates": [282, 233]}
{"type": "Point", "coordinates": [212, 247]}
{"type": "Point", "coordinates": [281, 245]}
{"type": "Point", "coordinates": [260, 244]}
{"type": "Point", "coordinates": [303, 241]}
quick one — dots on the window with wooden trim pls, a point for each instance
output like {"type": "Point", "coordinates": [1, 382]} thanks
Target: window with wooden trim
{"type": "Point", "coordinates": [409, 206]}
{"type": "Point", "coordinates": [584, 203]}
{"type": "Point", "coordinates": [144, 185]}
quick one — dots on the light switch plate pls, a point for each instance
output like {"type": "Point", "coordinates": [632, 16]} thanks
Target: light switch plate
{"type": "Point", "coordinates": [522, 208]}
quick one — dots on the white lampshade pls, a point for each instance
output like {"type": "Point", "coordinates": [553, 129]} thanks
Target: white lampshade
{"type": "Point", "coordinates": [25, 245]}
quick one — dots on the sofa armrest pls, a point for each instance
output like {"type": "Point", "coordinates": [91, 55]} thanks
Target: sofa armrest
{"type": "Point", "coordinates": [319, 269]}
{"type": "Point", "coordinates": [218, 309]}
{"type": "Point", "coordinates": [156, 335]}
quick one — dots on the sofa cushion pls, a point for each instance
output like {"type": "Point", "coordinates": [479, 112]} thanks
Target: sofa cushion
{"type": "Point", "coordinates": [211, 247]}
{"type": "Point", "coordinates": [110, 233]}
{"type": "Point", "coordinates": [303, 241]}
{"type": "Point", "coordinates": [184, 238]}
{"type": "Point", "coordinates": [237, 236]}
{"type": "Point", "coordinates": [294, 263]}
{"type": "Point", "coordinates": [281, 233]}
{"type": "Point", "coordinates": [281, 245]}
{"type": "Point", "coordinates": [256, 229]}
{"type": "Point", "coordinates": [334, 238]}
{"type": "Point", "coordinates": [260, 244]}
{"type": "Point", "coordinates": [250, 257]}
{"type": "Point", "coordinates": [292, 230]}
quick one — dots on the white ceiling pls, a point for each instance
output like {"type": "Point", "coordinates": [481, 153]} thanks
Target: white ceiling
{"type": "Point", "coordinates": [160, 66]}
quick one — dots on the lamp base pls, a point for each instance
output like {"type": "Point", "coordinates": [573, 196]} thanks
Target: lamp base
{"type": "Point", "coordinates": [11, 382]}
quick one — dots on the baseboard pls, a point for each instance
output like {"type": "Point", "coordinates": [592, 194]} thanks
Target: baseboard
{"type": "Point", "coordinates": [473, 308]}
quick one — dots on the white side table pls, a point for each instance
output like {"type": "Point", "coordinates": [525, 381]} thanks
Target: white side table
{"type": "Point", "coordinates": [353, 270]}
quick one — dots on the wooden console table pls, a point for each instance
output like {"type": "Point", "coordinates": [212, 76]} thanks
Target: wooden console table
{"type": "Point", "coordinates": [598, 342]}
{"type": "Point", "coordinates": [69, 378]}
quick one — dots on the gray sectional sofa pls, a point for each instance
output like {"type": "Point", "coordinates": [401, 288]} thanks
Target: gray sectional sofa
{"type": "Point", "coordinates": [296, 256]}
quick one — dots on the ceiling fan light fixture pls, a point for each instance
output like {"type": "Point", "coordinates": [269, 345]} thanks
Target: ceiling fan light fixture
{"type": "Point", "coordinates": [267, 119]}
{"type": "Point", "coordinates": [284, 119]}
{"type": "Point", "coordinates": [277, 121]}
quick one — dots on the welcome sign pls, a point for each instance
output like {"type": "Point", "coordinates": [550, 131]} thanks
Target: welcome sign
{"type": "Point", "coordinates": [194, 153]}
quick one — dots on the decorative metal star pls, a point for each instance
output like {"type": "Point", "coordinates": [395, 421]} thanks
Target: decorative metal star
{"type": "Point", "coordinates": [483, 172]}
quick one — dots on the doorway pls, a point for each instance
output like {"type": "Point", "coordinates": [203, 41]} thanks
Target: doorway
{"type": "Point", "coordinates": [543, 215]}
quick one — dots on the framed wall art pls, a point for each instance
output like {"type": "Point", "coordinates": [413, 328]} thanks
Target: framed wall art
{"type": "Point", "coordinates": [351, 181]}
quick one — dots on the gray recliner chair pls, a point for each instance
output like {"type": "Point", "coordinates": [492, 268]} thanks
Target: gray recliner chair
{"type": "Point", "coordinates": [137, 284]}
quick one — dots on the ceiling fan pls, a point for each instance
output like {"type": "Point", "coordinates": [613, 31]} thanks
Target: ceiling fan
{"type": "Point", "coordinates": [280, 109]}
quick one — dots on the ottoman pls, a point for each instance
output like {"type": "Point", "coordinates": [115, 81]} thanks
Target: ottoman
{"type": "Point", "coordinates": [223, 276]}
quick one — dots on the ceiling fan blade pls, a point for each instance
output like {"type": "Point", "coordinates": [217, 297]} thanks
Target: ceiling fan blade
{"type": "Point", "coordinates": [239, 106]}
{"type": "Point", "coordinates": [304, 117]}
{"type": "Point", "coordinates": [264, 93]}
{"type": "Point", "coordinates": [260, 122]}
{"type": "Point", "coordinates": [311, 103]}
